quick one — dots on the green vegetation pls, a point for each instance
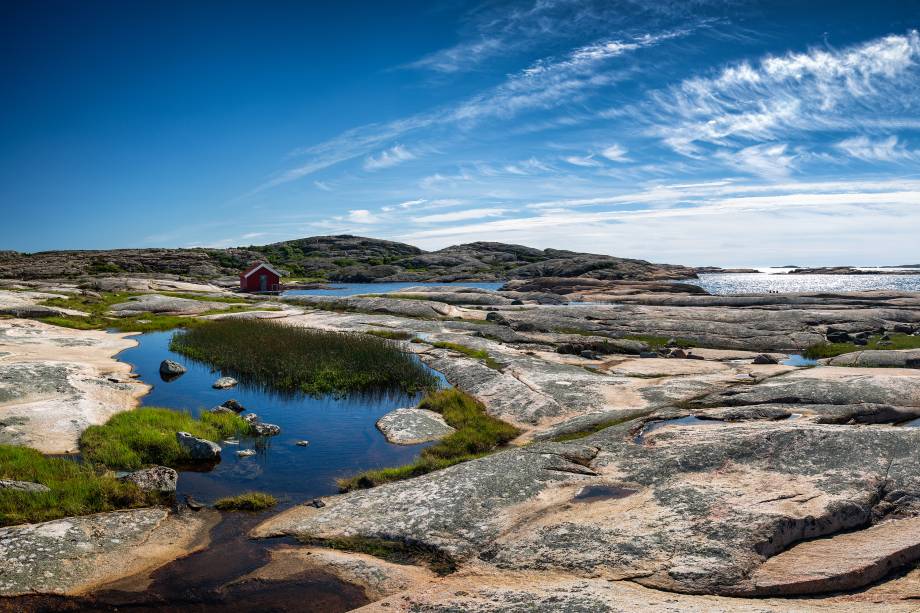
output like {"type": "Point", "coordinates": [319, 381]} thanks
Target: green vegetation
{"type": "Point", "coordinates": [830, 350]}
{"type": "Point", "coordinates": [145, 436]}
{"type": "Point", "coordinates": [98, 318]}
{"type": "Point", "coordinates": [398, 552]}
{"type": "Point", "coordinates": [249, 501]}
{"type": "Point", "coordinates": [479, 354]}
{"type": "Point", "coordinates": [300, 359]}
{"type": "Point", "coordinates": [205, 298]}
{"type": "Point", "coordinates": [76, 489]}
{"type": "Point", "coordinates": [393, 335]}
{"type": "Point", "coordinates": [657, 342]}
{"type": "Point", "coordinates": [477, 434]}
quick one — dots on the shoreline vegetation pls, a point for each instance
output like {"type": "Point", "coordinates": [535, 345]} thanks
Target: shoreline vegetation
{"type": "Point", "coordinates": [147, 436]}
{"type": "Point", "coordinates": [74, 488]}
{"type": "Point", "coordinates": [477, 434]}
{"type": "Point", "coordinates": [303, 360]}
{"type": "Point", "coordinates": [248, 501]}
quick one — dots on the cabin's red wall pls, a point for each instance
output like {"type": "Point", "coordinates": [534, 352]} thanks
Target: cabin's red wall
{"type": "Point", "coordinates": [251, 283]}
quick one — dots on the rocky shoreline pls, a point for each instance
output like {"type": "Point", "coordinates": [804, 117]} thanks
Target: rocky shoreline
{"type": "Point", "coordinates": [663, 462]}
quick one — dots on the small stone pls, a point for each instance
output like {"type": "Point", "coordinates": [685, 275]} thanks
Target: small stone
{"type": "Point", "coordinates": [648, 354]}
{"type": "Point", "coordinates": [224, 383]}
{"type": "Point", "coordinates": [266, 429]}
{"type": "Point", "coordinates": [221, 409]}
{"type": "Point", "coordinates": [677, 353]}
{"type": "Point", "coordinates": [170, 370]}
{"type": "Point", "coordinates": [302, 443]}
{"type": "Point", "coordinates": [192, 504]}
{"type": "Point", "coordinates": [233, 405]}
{"type": "Point", "coordinates": [765, 359]}
{"type": "Point", "coordinates": [316, 502]}
{"type": "Point", "coordinates": [198, 449]}
{"type": "Point", "coordinates": [245, 453]}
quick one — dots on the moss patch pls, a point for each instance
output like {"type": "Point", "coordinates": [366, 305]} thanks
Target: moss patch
{"type": "Point", "coordinates": [830, 350]}
{"type": "Point", "coordinates": [76, 489]}
{"type": "Point", "coordinates": [478, 434]}
{"type": "Point", "coordinates": [479, 354]}
{"type": "Point", "coordinates": [397, 552]}
{"type": "Point", "coordinates": [146, 436]}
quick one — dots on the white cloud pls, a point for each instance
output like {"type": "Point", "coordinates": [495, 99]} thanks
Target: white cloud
{"type": "Point", "coordinates": [587, 161]}
{"type": "Point", "coordinates": [764, 160]}
{"type": "Point", "coordinates": [880, 150]}
{"type": "Point", "coordinates": [820, 89]}
{"type": "Point", "coordinates": [362, 216]}
{"type": "Point", "coordinates": [460, 215]}
{"type": "Point", "coordinates": [322, 185]}
{"type": "Point", "coordinates": [615, 153]}
{"type": "Point", "coordinates": [395, 155]}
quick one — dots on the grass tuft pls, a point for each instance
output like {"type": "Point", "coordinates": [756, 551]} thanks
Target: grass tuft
{"type": "Point", "coordinates": [76, 489]}
{"type": "Point", "coordinates": [146, 436]}
{"type": "Point", "coordinates": [303, 360]}
{"type": "Point", "coordinates": [249, 501]}
{"type": "Point", "coordinates": [393, 335]}
{"type": "Point", "coordinates": [478, 434]}
{"type": "Point", "coordinates": [479, 354]}
{"type": "Point", "coordinates": [830, 350]}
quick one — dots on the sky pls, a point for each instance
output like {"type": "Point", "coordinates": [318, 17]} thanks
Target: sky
{"type": "Point", "coordinates": [696, 132]}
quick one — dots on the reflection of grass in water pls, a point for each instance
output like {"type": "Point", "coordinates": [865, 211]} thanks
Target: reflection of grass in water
{"type": "Point", "coordinates": [303, 360]}
{"type": "Point", "coordinates": [249, 501]}
{"type": "Point", "coordinates": [398, 552]}
{"type": "Point", "coordinates": [477, 434]}
{"type": "Point", "coordinates": [830, 350]}
{"type": "Point", "coordinates": [146, 436]}
{"type": "Point", "coordinates": [76, 489]}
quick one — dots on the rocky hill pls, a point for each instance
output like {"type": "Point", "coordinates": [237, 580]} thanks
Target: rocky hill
{"type": "Point", "coordinates": [341, 258]}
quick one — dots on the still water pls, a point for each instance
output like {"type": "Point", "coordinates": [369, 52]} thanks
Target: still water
{"type": "Point", "coordinates": [342, 435]}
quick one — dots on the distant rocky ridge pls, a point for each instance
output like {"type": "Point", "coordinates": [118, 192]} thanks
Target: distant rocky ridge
{"type": "Point", "coordinates": [341, 258]}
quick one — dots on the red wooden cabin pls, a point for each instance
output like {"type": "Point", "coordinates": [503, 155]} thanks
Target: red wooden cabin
{"type": "Point", "coordinates": [260, 277]}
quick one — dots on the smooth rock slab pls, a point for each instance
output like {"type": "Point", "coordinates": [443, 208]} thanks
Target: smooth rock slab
{"type": "Point", "coordinates": [76, 554]}
{"type": "Point", "coordinates": [413, 426]}
{"type": "Point", "coordinates": [843, 562]}
{"type": "Point", "coordinates": [903, 358]}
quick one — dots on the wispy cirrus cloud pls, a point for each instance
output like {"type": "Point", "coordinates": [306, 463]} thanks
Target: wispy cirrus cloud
{"type": "Point", "coordinates": [395, 155]}
{"type": "Point", "coordinates": [821, 89]}
{"type": "Point", "coordinates": [460, 216]}
{"type": "Point", "coordinates": [877, 150]}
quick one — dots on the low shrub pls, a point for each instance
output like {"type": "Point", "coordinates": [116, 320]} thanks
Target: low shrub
{"type": "Point", "coordinates": [479, 354]}
{"type": "Point", "coordinates": [250, 501]}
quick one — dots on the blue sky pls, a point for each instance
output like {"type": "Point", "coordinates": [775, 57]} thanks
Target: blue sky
{"type": "Point", "coordinates": [706, 132]}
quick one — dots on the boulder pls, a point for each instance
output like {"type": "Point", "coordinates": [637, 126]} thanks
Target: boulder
{"type": "Point", "coordinates": [245, 453]}
{"type": "Point", "coordinates": [154, 479]}
{"type": "Point", "coordinates": [266, 429]}
{"type": "Point", "coordinates": [413, 426]}
{"type": "Point", "coordinates": [765, 359]}
{"type": "Point", "coordinates": [224, 383]}
{"type": "Point", "coordinates": [23, 486]}
{"type": "Point", "coordinates": [170, 369]}
{"type": "Point", "coordinates": [198, 449]}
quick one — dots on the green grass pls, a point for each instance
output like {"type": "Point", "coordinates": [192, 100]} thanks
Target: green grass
{"type": "Point", "coordinates": [299, 359]}
{"type": "Point", "coordinates": [479, 354]}
{"type": "Point", "coordinates": [145, 436]}
{"type": "Point", "coordinates": [397, 552]}
{"type": "Point", "coordinates": [204, 298]}
{"type": "Point", "coordinates": [98, 318]}
{"type": "Point", "coordinates": [76, 489]}
{"type": "Point", "coordinates": [830, 350]}
{"type": "Point", "coordinates": [477, 434]}
{"type": "Point", "coordinates": [249, 501]}
{"type": "Point", "coordinates": [393, 335]}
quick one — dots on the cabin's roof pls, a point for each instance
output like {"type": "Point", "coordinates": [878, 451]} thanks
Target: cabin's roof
{"type": "Point", "coordinates": [256, 266]}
